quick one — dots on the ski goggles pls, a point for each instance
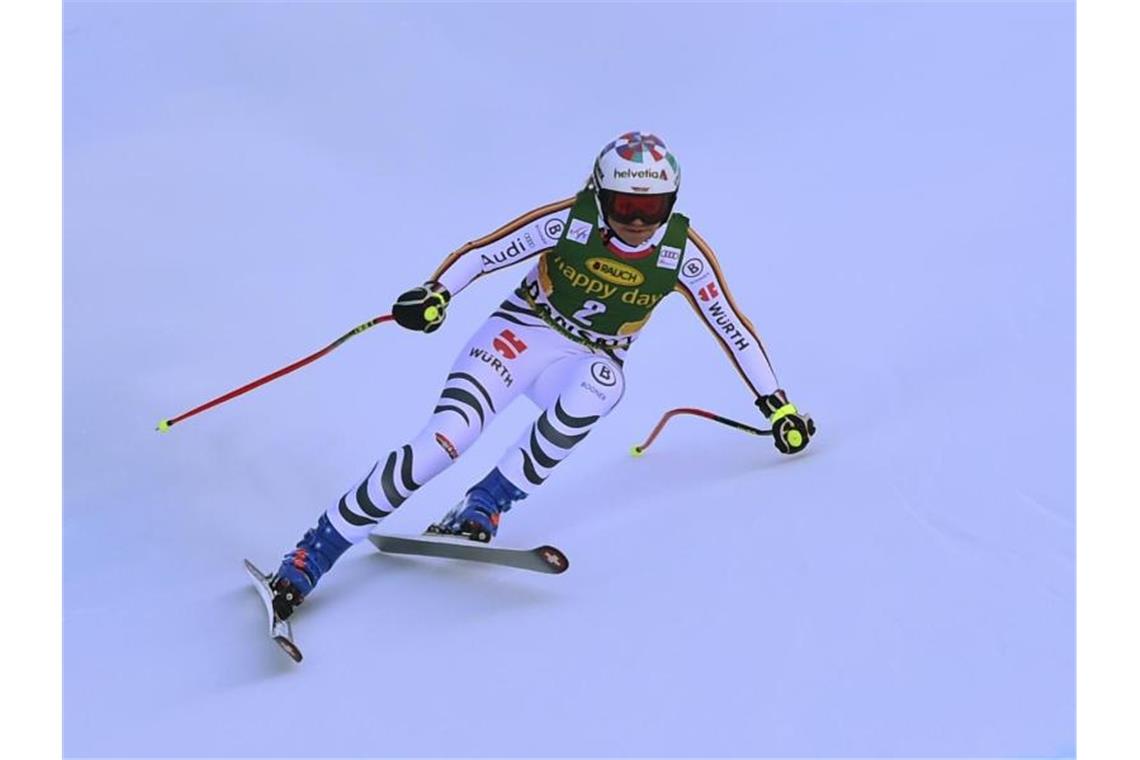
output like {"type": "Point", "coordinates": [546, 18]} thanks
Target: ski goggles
{"type": "Point", "coordinates": [623, 208]}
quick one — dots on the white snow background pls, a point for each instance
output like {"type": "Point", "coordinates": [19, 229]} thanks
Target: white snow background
{"type": "Point", "coordinates": [889, 188]}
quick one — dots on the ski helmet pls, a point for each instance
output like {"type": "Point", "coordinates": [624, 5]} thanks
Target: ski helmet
{"type": "Point", "coordinates": [635, 164]}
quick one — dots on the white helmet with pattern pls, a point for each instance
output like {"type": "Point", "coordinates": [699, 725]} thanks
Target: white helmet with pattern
{"type": "Point", "coordinates": [637, 163]}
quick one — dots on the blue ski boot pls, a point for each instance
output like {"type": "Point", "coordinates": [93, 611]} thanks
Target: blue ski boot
{"type": "Point", "coordinates": [477, 516]}
{"type": "Point", "coordinates": [303, 567]}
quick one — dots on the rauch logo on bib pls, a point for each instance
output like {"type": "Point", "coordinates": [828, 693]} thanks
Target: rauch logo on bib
{"type": "Point", "coordinates": [615, 272]}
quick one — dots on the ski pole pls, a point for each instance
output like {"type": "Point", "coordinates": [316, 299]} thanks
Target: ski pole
{"type": "Point", "coordinates": [164, 425]}
{"type": "Point", "coordinates": [640, 449]}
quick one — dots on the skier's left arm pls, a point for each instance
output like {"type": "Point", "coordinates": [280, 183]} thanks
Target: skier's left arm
{"type": "Point", "coordinates": [703, 284]}
{"type": "Point", "coordinates": [423, 308]}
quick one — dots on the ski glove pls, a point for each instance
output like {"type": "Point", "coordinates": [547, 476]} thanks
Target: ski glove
{"type": "Point", "coordinates": [422, 308]}
{"type": "Point", "coordinates": [791, 430]}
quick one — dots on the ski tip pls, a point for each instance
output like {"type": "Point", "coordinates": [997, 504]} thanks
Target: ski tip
{"type": "Point", "coordinates": [637, 451]}
{"type": "Point", "coordinates": [162, 426]}
{"type": "Point", "coordinates": [289, 647]}
{"type": "Point", "coordinates": [555, 560]}
{"type": "Point", "coordinates": [255, 572]}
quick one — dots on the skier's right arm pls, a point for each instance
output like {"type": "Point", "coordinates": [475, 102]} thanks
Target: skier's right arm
{"type": "Point", "coordinates": [535, 232]}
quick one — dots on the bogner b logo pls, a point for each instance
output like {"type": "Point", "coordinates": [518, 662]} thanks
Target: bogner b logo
{"type": "Point", "coordinates": [615, 272]}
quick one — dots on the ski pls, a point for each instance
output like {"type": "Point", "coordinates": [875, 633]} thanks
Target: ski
{"type": "Point", "coordinates": [279, 630]}
{"type": "Point", "coordinates": [541, 559]}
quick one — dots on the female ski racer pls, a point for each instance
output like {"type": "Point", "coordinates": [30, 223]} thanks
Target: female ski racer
{"type": "Point", "coordinates": [606, 258]}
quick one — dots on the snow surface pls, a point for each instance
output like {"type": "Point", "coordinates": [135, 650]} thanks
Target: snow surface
{"type": "Point", "coordinates": [890, 190]}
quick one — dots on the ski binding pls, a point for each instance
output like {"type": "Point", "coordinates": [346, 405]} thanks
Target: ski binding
{"type": "Point", "coordinates": [279, 630]}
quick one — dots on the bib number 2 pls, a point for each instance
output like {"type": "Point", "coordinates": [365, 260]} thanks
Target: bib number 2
{"type": "Point", "coordinates": [589, 310]}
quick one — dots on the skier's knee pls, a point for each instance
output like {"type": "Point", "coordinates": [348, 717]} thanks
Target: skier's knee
{"type": "Point", "coordinates": [449, 446]}
{"type": "Point", "coordinates": [442, 435]}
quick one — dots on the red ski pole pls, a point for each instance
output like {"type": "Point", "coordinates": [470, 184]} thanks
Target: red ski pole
{"type": "Point", "coordinates": [640, 449]}
{"type": "Point", "coordinates": [164, 425]}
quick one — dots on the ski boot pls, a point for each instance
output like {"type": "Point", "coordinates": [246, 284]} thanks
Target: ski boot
{"type": "Point", "coordinates": [477, 516]}
{"type": "Point", "coordinates": [303, 567]}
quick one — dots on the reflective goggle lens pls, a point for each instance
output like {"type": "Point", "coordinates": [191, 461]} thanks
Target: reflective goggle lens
{"type": "Point", "coordinates": [626, 207]}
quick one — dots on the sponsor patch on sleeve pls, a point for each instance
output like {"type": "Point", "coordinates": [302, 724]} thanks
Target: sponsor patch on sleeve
{"type": "Point", "coordinates": [551, 230]}
{"type": "Point", "coordinates": [668, 258]}
{"type": "Point", "coordinates": [579, 231]}
{"type": "Point", "coordinates": [693, 269]}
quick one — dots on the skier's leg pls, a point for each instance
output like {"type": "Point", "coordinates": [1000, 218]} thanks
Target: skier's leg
{"type": "Point", "coordinates": [499, 361]}
{"type": "Point", "coordinates": [465, 407]}
{"type": "Point", "coordinates": [576, 393]}
{"type": "Point", "coordinates": [588, 389]}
